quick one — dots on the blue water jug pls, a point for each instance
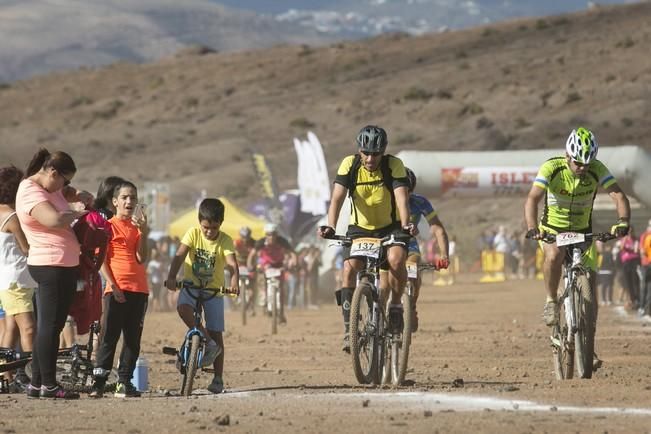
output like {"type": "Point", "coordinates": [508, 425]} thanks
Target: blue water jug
{"type": "Point", "coordinates": [141, 374]}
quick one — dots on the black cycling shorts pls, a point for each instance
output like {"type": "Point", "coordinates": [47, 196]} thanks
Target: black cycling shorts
{"type": "Point", "coordinates": [355, 232]}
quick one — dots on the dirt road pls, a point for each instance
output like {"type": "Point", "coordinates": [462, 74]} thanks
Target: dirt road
{"type": "Point", "coordinates": [489, 335]}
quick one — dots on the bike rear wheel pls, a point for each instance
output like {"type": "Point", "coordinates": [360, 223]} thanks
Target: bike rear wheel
{"type": "Point", "coordinates": [191, 366]}
{"type": "Point", "coordinates": [562, 349]}
{"type": "Point", "coordinates": [77, 376]}
{"type": "Point", "coordinates": [362, 335]}
{"type": "Point", "coordinates": [585, 315]}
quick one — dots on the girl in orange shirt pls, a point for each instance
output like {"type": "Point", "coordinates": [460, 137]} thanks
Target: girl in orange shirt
{"type": "Point", "coordinates": [126, 290]}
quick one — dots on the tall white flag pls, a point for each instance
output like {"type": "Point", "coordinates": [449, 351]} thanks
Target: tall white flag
{"type": "Point", "coordinates": [313, 180]}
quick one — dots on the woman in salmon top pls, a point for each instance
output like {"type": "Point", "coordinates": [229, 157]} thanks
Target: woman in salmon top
{"type": "Point", "coordinates": [45, 216]}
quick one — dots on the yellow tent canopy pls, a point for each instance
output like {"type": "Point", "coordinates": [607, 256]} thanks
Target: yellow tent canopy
{"type": "Point", "coordinates": [234, 219]}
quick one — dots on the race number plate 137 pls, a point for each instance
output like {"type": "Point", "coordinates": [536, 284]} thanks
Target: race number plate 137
{"type": "Point", "coordinates": [567, 238]}
{"type": "Point", "coordinates": [412, 270]}
{"type": "Point", "coordinates": [369, 247]}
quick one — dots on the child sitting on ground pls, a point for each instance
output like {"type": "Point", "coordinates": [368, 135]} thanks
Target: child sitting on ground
{"type": "Point", "coordinates": [210, 250]}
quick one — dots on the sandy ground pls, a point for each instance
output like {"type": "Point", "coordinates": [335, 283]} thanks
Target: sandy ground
{"type": "Point", "coordinates": [489, 335]}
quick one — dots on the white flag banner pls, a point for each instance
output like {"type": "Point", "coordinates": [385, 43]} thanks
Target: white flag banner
{"type": "Point", "coordinates": [323, 178]}
{"type": "Point", "coordinates": [313, 181]}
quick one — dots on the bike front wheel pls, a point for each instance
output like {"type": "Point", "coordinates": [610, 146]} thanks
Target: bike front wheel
{"type": "Point", "coordinates": [585, 315]}
{"type": "Point", "coordinates": [362, 335]}
{"type": "Point", "coordinates": [191, 366]}
{"type": "Point", "coordinates": [562, 348]}
{"type": "Point", "coordinates": [273, 295]}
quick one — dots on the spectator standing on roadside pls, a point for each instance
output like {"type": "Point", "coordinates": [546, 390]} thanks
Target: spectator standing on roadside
{"type": "Point", "coordinates": [645, 258]}
{"type": "Point", "coordinates": [605, 273]}
{"type": "Point", "coordinates": [127, 292]}
{"type": "Point", "coordinates": [16, 284]}
{"type": "Point", "coordinates": [313, 262]}
{"type": "Point", "coordinates": [45, 216]}
{"type": "Point", "coordinates": [630, 258]}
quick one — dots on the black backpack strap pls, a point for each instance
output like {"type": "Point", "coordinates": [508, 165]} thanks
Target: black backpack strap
{"type": "Point", "coordinates": [352, 183]}
{"type": "Point", "coordinates": [387, 178]}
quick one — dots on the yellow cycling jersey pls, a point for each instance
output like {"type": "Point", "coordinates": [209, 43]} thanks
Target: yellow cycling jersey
{"type": "Point", "coordinates": [371, 206]}
{"type": "Point", "coordinates": [569, 198]}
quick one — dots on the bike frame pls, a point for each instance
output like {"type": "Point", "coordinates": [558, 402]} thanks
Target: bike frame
{"type": "Point", "coordinates": [184, 352]}
{"type": "Point", "coordinates": [573, 267]}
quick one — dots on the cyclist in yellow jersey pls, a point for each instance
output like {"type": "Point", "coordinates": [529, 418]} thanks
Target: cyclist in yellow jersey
{"type": "Point", "coordinates": [569, 184]}
{"type": "Point", "coordinates": [377, 186]}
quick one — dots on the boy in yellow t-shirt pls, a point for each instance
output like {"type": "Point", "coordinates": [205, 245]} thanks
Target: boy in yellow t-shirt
{"type": "Point", "coordinates": [204, 252]}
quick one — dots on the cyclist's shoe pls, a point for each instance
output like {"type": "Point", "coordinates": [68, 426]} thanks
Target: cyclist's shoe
{"type": "Point", "coordinates": [57, 392]}
{"type": "Point", "coordinates": [596, 362]}
{"type": "Point", "coordinates": [97, 389]}
{"type": "Point", "coordinates": [346, 346]}
{"type": "Point", "coordinates": [33, 391]}
{"type": "Point", "coordinates": [217, 385]}
{"type": "Point", "coordinates": [414, 320]}
{"type": "Point", "coordinates": [126, 390]}
{"type": "Point", "coordinates": [212, 352]}
{"type": "Point", "coordinates": [550, 313]}
{"type": "Point", "coordinates": [396, 322]}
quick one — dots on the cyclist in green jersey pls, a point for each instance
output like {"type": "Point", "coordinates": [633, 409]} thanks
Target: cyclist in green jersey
{"type": "Point", "coordinates": [569, 184]}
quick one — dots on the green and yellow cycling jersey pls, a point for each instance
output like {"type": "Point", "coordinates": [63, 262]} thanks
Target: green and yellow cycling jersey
{"type": "Point", "coordinates": [569, 198]}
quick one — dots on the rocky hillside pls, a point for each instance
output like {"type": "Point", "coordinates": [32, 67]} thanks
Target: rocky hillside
{"type": "Point", "coordinates": [189, 119]}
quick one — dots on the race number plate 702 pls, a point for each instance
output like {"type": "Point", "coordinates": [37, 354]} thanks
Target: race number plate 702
{"type": "Point", "coordinates": [567, 238]}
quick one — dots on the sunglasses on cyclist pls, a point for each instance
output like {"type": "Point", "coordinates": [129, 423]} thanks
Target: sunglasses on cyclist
{"type": "Point", "coordinates": [371, 154]}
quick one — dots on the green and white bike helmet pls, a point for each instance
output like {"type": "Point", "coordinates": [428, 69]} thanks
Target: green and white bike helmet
{"type": "Point", "coordinates": [581, 146]}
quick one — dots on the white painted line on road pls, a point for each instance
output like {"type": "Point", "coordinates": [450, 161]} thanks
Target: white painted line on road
{"type": "Point", "coordinates": [436, 402]}
{"type": "Point", "coordinates": [473, 403]}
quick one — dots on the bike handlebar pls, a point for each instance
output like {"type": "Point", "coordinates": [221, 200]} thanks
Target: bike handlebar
{"type": "Point", "coordinates": [599, 236]}
{"type": "Point", "coordinates": [427, 266]}
{"type": "Point", "coordinates": [347, 241]}
{"type": "Point", "coordinates": [222, 290]}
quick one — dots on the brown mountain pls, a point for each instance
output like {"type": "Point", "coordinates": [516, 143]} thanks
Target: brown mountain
{"type": "Point", "coordinates": [189, 119]}
{"type": "Point", "coordinates": [40, 37]}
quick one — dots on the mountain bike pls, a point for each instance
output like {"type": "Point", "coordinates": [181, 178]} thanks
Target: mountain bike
{"type": "Point", "coordinates": [74, 369]}
{"type": "Point", "coordinates": [572, 338]}
{"type": "Point", "coordinates": [190, 354]}
{"type": "Point", "coordinates": [272, 277]}
{"type": "Point", "coordinates": [378, 354]}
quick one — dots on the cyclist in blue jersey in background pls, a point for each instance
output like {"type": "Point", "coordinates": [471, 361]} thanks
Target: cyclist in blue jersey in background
{"type": "Point", "coordinates": [419, 207]}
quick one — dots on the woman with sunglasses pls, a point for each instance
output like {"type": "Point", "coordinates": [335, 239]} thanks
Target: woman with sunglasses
{"type": "Point", "coordinates": [42, 206]}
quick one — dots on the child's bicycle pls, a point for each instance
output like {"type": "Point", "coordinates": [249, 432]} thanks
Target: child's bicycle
{"type": "Point", "coordinates": [379, 355]}
{"type": "Point", "coordinates": [573, 337]}
{"type": "Point", "coordinates": [191, 353]}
